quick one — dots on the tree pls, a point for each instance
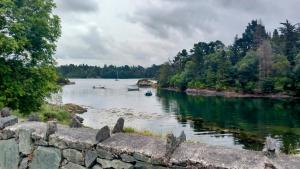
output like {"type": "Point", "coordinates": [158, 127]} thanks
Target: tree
{"type": "Point", "coordinates": [247, 70]}
{"type": "Point", "coordinates": [28, 33]}
{"type": "Point", "coordinates": [265, 61]}
{"type": "Point", "coordinates": [165, 73]}
{"type": "Point", "coordinates": [291, 36]}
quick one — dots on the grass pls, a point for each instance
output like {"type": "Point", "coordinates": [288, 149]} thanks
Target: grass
{"type": "Point", "coordinates": [49, 112]}
{"type": "Point", "coordinates": [142, 132]}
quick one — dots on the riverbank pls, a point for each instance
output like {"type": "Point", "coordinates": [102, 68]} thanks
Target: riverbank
{"type": "Point", "coordinates": [229, 94]}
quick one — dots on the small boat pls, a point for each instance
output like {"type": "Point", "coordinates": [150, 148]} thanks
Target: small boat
{"type": "Point", "coordinates": [98, 87]}
{"type": "Point", "coordinates": [148, 93]}
{"type": "Point", "coordinates": [133, 88]}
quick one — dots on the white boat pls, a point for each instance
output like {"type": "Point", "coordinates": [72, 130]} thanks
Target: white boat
{"type": "Point", "coordinates": [133, 88]}
{"type": "Point", "coordinates": [98, 87]}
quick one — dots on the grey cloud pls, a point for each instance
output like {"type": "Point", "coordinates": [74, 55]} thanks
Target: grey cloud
{"type": "Point", "coordinates": [209, 18]}
{"type": "Point", "coordinates": [173, 17]}
{"type": "Point", "coordinates": [151, 31]}
{"type": "Point", "coordinates": [88, 44]}
{"type": "Point", "coordinates": [77, 5]}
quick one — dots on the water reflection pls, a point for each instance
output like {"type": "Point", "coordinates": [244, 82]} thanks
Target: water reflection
{"type": "Point", "coordinates": [250, 120]}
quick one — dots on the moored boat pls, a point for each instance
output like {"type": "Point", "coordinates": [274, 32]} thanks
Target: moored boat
{"type": "Point", "coordinates": [133, 88]}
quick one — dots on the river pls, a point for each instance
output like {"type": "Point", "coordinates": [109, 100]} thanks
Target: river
{"type": "Point", "coordinates": [241, 123]}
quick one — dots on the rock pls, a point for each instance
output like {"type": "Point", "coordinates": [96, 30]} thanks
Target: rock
{"type": "Point", "coordinates": [80, 119]}
{"type": "Point", "coordinates": [271, 147]}
{"type": "Point", "coordinates": [90, 158]}
{"type": "Point", "coordinates": [119, 126]}
{"type": "Point", "coordinates": [76, 138]}
{"type": "Point", "coordinates": [104, 154]}
{"type": "Point", "coordinates": [145, 83]}
{"type": "Point", "coordinates": [6, 134]}
{"type": "Point", "coordinates": [25, 141]}
{"type": "Point", "coordinates": [149, 147]}
{"type": "Point", "coordinates": [73, 156]}
{"type": "Point", "coordinates": [75, 123]}
{"type": "Point", "coordinates": [24, 163]}
{"type": "Point", "coordinates": [181, 138]}
{"type": "Point", "coordinates": [113, 164]}
{"type": "Point", "coordinates": [46, 158]}
{"type": "Point", "coordinates": [97, 167]}
{"type": "Point", "coordinates": [127, 158]}
{"type": "Point", "coordinates": [64, 162]}
{"type": "Point", "coordinates": [72, 166]}
{"type": "Point", "coordinates": [103, 134]}
{"type": "Point", "coordinates": [33, 117]}
{"type": "Point", "coordinates": [141, 157]}
{"type": "Point", "coordinates": [5, 112]}
{"type": "Point", "coordinates": [171, 144]}
{"type": "Point", "coordinates": [9, 154]}
{"type": "Point", "coordinates": [75, 109]}
{"type": "Point", "coordinates": [51, 129]}
{"type": "Point", "coordinates": [142, 165]}
{"type": "Point", "coordinates": [8, 121]}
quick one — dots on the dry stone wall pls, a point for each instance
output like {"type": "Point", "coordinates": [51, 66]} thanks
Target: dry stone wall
{"type": "Point", "coordinates": [37, 145]}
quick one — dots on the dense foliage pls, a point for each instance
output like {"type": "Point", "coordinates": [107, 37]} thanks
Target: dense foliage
{"type": "Point", "coordinates": [85, 71]}
{"type": "Point", "coordinates": [257, 62]}
{"type": "Point", "coordinates": [28, 32]}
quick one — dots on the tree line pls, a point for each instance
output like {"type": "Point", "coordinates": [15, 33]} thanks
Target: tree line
{"type": "Point", "coordinates": [111, 71]}
{"type": "Point", "coordinates": [257, 62]}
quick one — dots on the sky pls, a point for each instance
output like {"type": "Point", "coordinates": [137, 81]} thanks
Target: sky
{"type": "Point", "coordinates": [146, 32]}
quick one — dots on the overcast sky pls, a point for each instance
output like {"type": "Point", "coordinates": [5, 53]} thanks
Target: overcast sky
{"type": "Point", "coordinates": [146, 32]}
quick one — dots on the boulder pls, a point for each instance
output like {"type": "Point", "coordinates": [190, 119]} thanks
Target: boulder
{"type": "Point", "coordinates": [33, 117]}
{"type": "Point", "coordinates": [104, 154]}
{"type": "Point", "coordinates": [90, 158]}
{"type": "Point", "coordinates": [73, 156]}
{"type": "Point", "coordinates": [51, 129]}
{"type": "Point", "coordinates": [80, 119]}
{"type": "Point", "coordinates": [24, 163]}
{"type": "Point", "coordinates": [119, 126]}
{"type": "Point", "coordinates": [103, 134]}
{"type": "Point", "coordinates": [46, 158]}
{"type": "Point", "coordinates": [8, 121]}
{"type": "Point", "coordinates": [72, 166]}
{"type": "Point", "coordinates": [171, 144]}
{"type": "Point", "coordinates": [97, 167]}
{"type": "Point", "coordinates": [75, 122]}
{"type": "Point", "coordinates": [5, 112]}
{"type": "Point", "coordinates": [6, 134]}
{"type": "Point", "coordinates": [25, 141]}
{"type": "Point", "coordinates": [9, 154]}
{"type": "Point", "coordinates": [113, 164]}
{"type": "Point", "coordinates": [127, 158]}
{"type": "Point", "coordinates": [75, 109]}
{"type": "Point", "coordinates": [271, 147]}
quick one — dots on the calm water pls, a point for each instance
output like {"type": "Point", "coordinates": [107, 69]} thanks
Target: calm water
{"type": "Point", "coordinates": [232, 122]}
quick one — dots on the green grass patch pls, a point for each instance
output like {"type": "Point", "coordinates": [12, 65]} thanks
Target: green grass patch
{"type": "Point", "coordinates": [49, 112]}
{"type": "Point", "coordinates": [142, 132]}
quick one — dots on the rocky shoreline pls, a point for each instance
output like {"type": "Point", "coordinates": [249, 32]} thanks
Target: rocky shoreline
{"type": "Point", "coordinates": [231, 94]}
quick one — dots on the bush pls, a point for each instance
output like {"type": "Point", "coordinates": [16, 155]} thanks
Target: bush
{"type": "Point", "coordinates": [268, 85]}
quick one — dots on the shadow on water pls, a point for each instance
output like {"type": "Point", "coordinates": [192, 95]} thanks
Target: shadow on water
{"type": "Point", "coordinates": [249, 120]}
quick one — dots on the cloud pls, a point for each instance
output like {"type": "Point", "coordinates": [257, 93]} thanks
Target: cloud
{"type": "Point", "coordinates": [209, 19]}
{"type": "Point", "coordinates": [77, 5]}
{"type": "Point", "coordinates": [147, 32]}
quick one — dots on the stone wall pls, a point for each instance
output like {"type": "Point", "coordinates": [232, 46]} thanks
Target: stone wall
{"type": "Point", "coordinates": [38, 145]}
